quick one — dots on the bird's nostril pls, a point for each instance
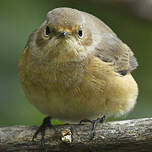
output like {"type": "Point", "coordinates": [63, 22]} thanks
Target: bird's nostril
{"type": "Point", "coordinates": [63, 34]}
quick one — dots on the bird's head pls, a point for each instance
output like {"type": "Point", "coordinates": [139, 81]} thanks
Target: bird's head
{"type": "Point", "coordinates": [62, 37]}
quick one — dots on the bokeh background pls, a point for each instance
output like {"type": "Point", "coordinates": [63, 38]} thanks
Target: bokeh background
{"type": "Point", "coordinates": [18, 18]}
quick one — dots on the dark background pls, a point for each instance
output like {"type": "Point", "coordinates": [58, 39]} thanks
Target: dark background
{"type": "Point", "coordinates": [18, 18]}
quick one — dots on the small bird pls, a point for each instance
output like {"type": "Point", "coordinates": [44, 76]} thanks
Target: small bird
{"type": "Point", "coordinates": [75, 68]}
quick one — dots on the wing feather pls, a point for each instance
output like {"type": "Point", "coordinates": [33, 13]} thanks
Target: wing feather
{"type": "Point", "coordinates": [112, 49]}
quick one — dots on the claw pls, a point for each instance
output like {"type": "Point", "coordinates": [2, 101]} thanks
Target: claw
{"type": "Point", "coordinates": [85, 120]}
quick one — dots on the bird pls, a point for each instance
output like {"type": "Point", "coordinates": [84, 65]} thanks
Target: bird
{"type": "Point", "coordinates": [74, 68]}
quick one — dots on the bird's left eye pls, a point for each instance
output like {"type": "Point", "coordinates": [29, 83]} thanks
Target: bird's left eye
{"type": "Point", "coordinates": [80, 33]}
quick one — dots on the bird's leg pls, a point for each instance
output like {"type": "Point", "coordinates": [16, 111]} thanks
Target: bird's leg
{"type": "Point", "coordinates": [46, 124]}
{"type": "Point", "coordinates": [94, 124]}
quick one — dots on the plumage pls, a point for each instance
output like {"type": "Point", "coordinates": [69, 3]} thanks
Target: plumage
{"type": "Point", "coordinates": [72, 78]}
{"type": "Point", "coordinates": [112, 49]}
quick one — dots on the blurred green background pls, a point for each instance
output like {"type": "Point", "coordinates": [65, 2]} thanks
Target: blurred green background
{"type": "Point", "coordinates": [18, 18]}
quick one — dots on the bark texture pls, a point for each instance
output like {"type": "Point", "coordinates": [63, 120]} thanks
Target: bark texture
{"type": "Point", "coordinates": [118, 136]}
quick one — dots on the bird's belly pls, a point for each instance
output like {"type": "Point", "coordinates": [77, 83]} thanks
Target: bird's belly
{"type": "Point", "coordinates": [65, 108]}
{"type": "Point", "coordinates": [118, 98]}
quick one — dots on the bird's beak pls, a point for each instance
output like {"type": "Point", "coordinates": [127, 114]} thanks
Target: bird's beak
{"type": "Point", "coordinates": [63, 34]}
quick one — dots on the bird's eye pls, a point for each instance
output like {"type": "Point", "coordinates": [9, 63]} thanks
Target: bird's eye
{"type": "Point", "coordinates": [47, 31]}
{"type": "Point", "coordinates": [80, 33]}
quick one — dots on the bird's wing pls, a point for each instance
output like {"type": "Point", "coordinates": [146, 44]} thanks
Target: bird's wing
{"type": "Point", "coordinates": [112, 49]}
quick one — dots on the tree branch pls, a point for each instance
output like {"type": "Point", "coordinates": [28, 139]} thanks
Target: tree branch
{"type": "Point", "coordinates": [119, 136]}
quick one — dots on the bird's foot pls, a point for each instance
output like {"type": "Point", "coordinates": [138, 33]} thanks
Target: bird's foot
{"type": "Point", "coordinates": [85, 120]}
{"type": "Point", "coordinates": [94, 124]}
{"type": "Point", "coordinates": [46, 124]}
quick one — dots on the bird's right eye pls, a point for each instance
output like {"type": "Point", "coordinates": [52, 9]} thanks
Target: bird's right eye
{"type": "Point", "coordinates": [80, 33]}
{"type": "Point", "coordinates": [47, 31]}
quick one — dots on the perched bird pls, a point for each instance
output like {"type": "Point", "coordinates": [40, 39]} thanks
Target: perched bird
{"type": "Point", "coordinates": [75, 68]}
